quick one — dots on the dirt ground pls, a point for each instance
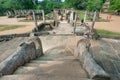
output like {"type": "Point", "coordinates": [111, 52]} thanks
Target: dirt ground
{"type": "Point", "coordinates": [113, 25]}
{"type": "Point", "coordinates": [13, 21]}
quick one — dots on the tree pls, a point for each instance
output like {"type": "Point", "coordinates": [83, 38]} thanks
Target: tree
{"type": "Point", "coordinates": [80, 4]}
{"type": "Point", "coordinates": [2, 9]}
{"type": "Point", "coordinates": [19, 4]}
{"type": "Point", "coordinates": [115, 5]}
{"type": "Point", "coordinates": [94, 5]}
{"type": "Point", "coordinates": [90, 5]}
{"type": "Point", "coordinates": [51, 4]}
{"type": "Point", "coordinates": [68, 4]}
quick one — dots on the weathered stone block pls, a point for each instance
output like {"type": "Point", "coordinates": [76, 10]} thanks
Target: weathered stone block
{"type": "Point", "coordinates": [24, 54]}
{"type": "Point", "coordinates": [94, 70]}
{"type": "Point", "coordinates": [38, 45]}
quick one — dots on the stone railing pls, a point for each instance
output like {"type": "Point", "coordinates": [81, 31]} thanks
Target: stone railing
{"type": "Point", "coordinates": [22, 13]}
{"type": "Point", "coordinates": [26, 51]}
{"type": "Point", "coordinates": [94, 71]}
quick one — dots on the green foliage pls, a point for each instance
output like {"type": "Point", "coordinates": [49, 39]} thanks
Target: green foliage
{"type": "Point", "coordinates": [68, 4]}
{"type": "Point", "coordinates": [80, 4]}
{"type": "Point", "coordinates": [1, 7]}
{"type": "Point", "coordinates": [38, 7]}
{"type": "Point", "coordinates": [94, 5]}
{"type": "Point", "coordinates": [77, 4]}
{"type": "Point", "coordinates": [19, 4]}
{"type": "Point", "coordinates": [9, 27]}
{"type": "Point", "coordinates": [81, 15]}
{"type": "Point", "coordinates": [91, 5]}
{"type": "Point", "coordinates": [115, 5]}
{"type": "Point", "coordinates": [51, 4]}
{"type": "Point", "coordinates": [107, 32]}
{"type": "Point", "coordinates": [9, 4]}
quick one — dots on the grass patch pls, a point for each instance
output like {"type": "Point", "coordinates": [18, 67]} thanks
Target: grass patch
{"type": "Point", "coordinates": [9, 27]}
{"type": "Point", "coordinates": [105, 32]}
{"type": "Point", "coordinates": [25, 20]}
{"type": "Point", "coordinates": [81, 15]}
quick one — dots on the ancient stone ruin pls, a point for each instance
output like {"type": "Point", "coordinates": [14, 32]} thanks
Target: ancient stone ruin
{"type": "Point", "coordinates": [64, 49]}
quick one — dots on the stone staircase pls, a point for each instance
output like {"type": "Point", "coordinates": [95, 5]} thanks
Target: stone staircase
{"type": "Point", "coordinates": [55, 64]}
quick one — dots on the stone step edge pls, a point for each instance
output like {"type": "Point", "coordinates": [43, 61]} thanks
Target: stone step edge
{"type": "Point", "coordinates": [26, 77]}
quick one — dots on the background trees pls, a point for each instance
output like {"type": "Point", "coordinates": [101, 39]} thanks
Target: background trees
{"type": "Point", "coordinates": [19, 4]}
{"type": "Point", "coordinates": [90, 5]}
{"type": "Point", "coordinates": [52, 4]}
{"type": "Point", "coordinates": [49, 5]}
{"type": "Point", "coordinates": [94, 5]}
{"type": "Point", "coordinates": [115, 5]}
{"type": "Point", "coordinates": [77, 4]}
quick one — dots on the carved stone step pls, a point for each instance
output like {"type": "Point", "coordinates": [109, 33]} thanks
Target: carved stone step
{"type": "Point", "coordinates": [42, 77]}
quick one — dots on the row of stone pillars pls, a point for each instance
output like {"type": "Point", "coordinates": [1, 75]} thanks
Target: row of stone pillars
{"type": "Point", "coordinates": [73, 21]}
{"type": "Point", "coordinates": [92, 31]}
{"type": "Point", "coordinates": [21, 13]}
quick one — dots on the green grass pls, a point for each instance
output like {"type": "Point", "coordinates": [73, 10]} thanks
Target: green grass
{"type": "Point", "coordinates": [9, 27]}
{"type": "Point", "coordinates": [105, 32]}
{"type": "Point", "coordinates": [25, 20]}
{"type": "Point", "coordinates": [81, 15]}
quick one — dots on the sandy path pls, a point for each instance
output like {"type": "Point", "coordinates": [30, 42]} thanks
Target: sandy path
{"type": "Point", "coordinates": [113, 25]}
{"type": "Point", "coordinates": [13, 21]}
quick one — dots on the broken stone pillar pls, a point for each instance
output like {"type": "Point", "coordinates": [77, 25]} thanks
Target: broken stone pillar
{"type": "Point", "coordinates": [55, 14]}
{"type": "Point", "coordinates": [38, 45]}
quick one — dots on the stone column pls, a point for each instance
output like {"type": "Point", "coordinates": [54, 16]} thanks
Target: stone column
{"type": "Point", "coordinates": [43, 16]}
{"type": "Point", "coordinates": [35, 20]}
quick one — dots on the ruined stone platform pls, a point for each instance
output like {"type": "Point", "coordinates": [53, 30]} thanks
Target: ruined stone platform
{"type": "Point", "coordinates": [57, 63]}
